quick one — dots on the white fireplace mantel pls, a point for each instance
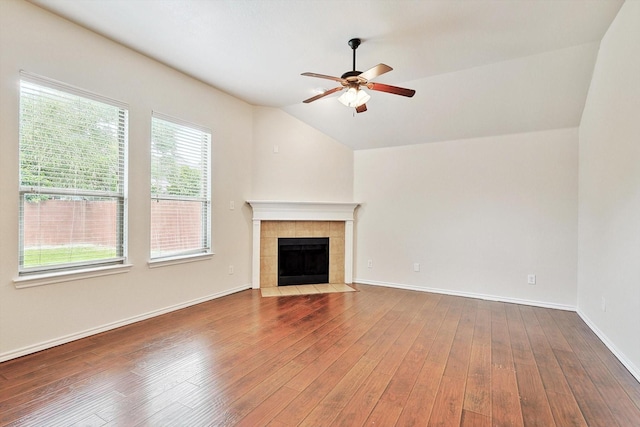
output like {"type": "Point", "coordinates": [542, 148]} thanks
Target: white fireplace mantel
{"type": "Point", "coordinates": [302, 211]}
{"type": "Point", "coordinates": [264, 210]}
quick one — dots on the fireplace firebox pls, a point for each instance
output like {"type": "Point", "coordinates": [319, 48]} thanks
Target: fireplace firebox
{"type": "Point", "coordinates": [303, 260]}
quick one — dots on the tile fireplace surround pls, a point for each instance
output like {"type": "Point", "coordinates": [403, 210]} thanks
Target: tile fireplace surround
{"type": "Point", "coordinates": [273, 219]}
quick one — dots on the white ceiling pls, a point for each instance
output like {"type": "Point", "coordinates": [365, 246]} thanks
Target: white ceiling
{"type": "Point", "coordinates": [480, 67]}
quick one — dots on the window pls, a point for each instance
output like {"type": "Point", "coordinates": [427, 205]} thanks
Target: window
{"type": "Point", "coordinates": [180, 194]}
{"type": "Point", "coordinates": [72, 177]}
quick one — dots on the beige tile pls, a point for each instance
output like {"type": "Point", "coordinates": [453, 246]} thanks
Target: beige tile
{"type": "Point", "coordinates": [268, 282]}
{"type": "Point", "coordinates": [336, 247]}
{"type": "Point", "coordinates": [324, 288]}
{"type": "Point", "coordinates": [318, 290]}
{"type": "Point", "coordinates": [268, 229]}
{"type": "Point", "coordinates": [268, 271]}
{"type": "Point", "coordinates": [289, 290]}
{"type": "Point", "coordinates": [336, 260]}
{"type": "Point", "coordinates": [268, 246]}
{"type": "Point", "coordinates": [304, 228]}
{"type": "Point", "coordinates": [336, 229]}
{"type": "Point", "coordinates": [286, 228]}
{"type": "Point", "coordinates": [341, 287]}
{"type": "Point", "coordinates": [270, 292]}
{"type": "Point", "coordinates": [307, 289]}
{"type": "Point", "coordinates": [320, 229]}
{"type": "Point", "coordinates": [268, 264]}
{"type": "Point", "coordinates": [337, 276]}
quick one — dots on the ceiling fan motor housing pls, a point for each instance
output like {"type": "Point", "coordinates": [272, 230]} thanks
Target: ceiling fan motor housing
{"type": "Point", "coordinates": [351, 74]}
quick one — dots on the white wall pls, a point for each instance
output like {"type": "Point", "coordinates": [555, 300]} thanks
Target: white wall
{"type": "Point", "coordinates": [478, 215]}
{"type": "Point", "coordinates": [309, 166]}
{"type": "Point", "coordinates": [41, 43]}
{"type": "Point", "coordinates": [609, 198]}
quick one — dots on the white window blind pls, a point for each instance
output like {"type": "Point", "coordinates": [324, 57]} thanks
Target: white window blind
{"type": "Point", "coordinates": [72, 177]}
{"type": "Point", "coordinates": [180, 193]}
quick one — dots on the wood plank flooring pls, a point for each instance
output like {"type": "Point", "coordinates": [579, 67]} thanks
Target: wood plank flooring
{"type": "Point", "coordinates": [379, 356]}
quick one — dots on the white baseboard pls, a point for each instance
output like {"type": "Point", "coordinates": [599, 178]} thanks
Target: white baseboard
{"type": "Point", "coordinates": [497, 298]}
{"type": "Point", "coordinates": [86, 333]}
{"type": "Point", "coordinates": [631, 367]}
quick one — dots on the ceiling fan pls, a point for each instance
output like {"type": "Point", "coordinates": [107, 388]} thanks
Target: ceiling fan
{"type": "Point", "coordinates": [354, 81]}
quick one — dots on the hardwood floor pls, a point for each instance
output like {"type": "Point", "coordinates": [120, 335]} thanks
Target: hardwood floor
{"type": "Point", "coordinates": [379, 357]}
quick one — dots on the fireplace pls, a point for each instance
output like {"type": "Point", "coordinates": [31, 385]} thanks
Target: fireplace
{"type": "Point", "coordinates": [303, 260]}
{"type": "Point", "coordinates": [273, 220]}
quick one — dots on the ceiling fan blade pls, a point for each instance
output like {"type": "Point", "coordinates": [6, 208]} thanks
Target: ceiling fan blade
{"type": "Point", "coordinates": [323, 76]}
{"type": "Point", "coordinates": [361, 109]}
{"type": "Point", "coordinates": [391, 89]}
{"type": "Point", "coordinates": [376, 71]}
{"type": "Point", "coordinates": [323, 94]}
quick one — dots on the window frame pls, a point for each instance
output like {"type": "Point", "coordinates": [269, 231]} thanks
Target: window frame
{"type": "Point", "coordinates": [206, 250]}
{"type": "Point", "coordinates": [52, 273]}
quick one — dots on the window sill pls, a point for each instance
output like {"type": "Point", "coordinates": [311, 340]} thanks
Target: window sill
{"type": "Point", "coordinates": [68, 276]}
{"type": "Point", "coordinates": [154, 263]}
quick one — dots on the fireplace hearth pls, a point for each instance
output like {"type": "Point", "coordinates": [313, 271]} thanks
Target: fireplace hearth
{"type": "Point", "coordinates": [303, 260]}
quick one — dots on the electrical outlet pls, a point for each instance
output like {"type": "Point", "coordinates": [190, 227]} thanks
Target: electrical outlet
{"type": "Point", "coordinates": [604, 304]}
{"type": "Point", "coordinates": [416, 266]}
{"type": "Point", "coordinates": [276, 149]}
{"type": "Point", "coordinates": [370, 264]}
{"type": "Point", "coordinates": [231, 269]}
{"type": "Point", "coordinates": [531, 279]}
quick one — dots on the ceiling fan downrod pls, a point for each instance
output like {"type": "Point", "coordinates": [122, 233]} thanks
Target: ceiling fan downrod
{"type": "Point", "coordinates": [354, 43]}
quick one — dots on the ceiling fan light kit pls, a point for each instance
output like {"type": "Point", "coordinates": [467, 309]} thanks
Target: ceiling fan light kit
{"type": "Point", "coordinates": [354, 80]}
{"type": "Point", "coordinates": [354, 97]}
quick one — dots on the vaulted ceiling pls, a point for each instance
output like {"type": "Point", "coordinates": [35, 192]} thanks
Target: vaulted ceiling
{"type": "Point", "coordinates": [480, 68]}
